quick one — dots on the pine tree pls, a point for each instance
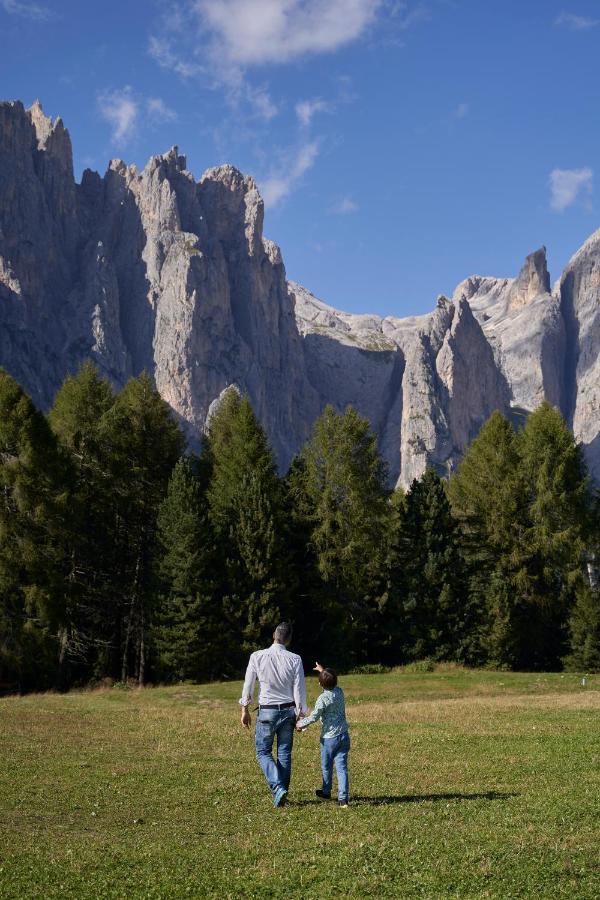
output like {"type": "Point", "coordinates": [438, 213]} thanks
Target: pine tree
{"type": "Point", "coordinates": [246, 512]}
{"type": "Point", "coordinates": [187, 627]}
{"type": "Point", "coordinates": [33, 490]}
{"type": "Point", "coordinates": [340, 492]}
{"type": "Point", "coordinates": [143, 443]}
{"type": "Point", "coordinates": [303, 576]}
{"type": "Point", "coordinates": [555, 537]}
{"type": "Point", "coordinates": [430, 575]}
{"type": "Point", "coordinates": [584, 632]}
{"type": "Point", "coordinates": [523, 502]}
{"type": "Point", "coordinates": [584, 622]}
{"type": "Point", "coordinates": [489, 497]}
{"type": "Point", "coordinates": [75, 418]}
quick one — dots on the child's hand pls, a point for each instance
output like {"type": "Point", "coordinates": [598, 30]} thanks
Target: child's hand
{"type": "Point", "coordinates": [318, 667]}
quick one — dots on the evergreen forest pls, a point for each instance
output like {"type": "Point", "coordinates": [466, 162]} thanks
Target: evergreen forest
{"type": "Point", "coordinates": [126, 558]}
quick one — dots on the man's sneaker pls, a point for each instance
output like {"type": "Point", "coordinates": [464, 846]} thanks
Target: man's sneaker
{"type": "Point", "coordinates": [280, 797]}
{"type": "Point", "coordinates": [322, 795]}
{"type": "Point", "coordinates": [343, 804]}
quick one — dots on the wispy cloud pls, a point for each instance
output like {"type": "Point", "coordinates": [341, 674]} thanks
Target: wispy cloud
{"type": "Point", "coordinates": [158, 110]}
{"type": "Point", "coordinates": [261, 103]}
{"type": "Point", "coordinates": [307, 109]}
{"type": "Point", "coordinates": [461, 111]}
{"type": "Point", "coordinates": [279, 184]}
{"type": "Point", "coordinates": [121, 110]}
{"type": "Point", "coordinates": [344, 207]}
{"type": "Point", "coordinates": [576, 23]}
{"type": "Point", "coordinates": [566, 185]}
{"type": "Point", "coordinates": [223, 41]}
{"type": "Point", "coordinates": [405, 15]}
{"type": "Point", "coordinates": [163, 51]}
{"type": "Point", "coordinates": [31, 11]}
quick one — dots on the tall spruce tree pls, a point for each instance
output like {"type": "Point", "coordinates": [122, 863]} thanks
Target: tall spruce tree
{"type": "Point", "coordinates": [522, 500]}
{"type": "Point", "coordinates": [554, 540]}
{"type": "Point", "coordinates": [246, 511]}
{"type": "Point", "coordinates": [339, 491]}
{"type": "Point", "coordinates": [143, 443]}
{"type": "Point", "coordinates": [430, 576]}
{"type": "Point", "coordinates": [584, 622]}
{"type": "Point", "coordinates": [187, 625]}
{"type": "Point", "coordinates": [75, 418]}
{"type": "Point", "coordinates": [488, 495]}
{"type": "Point", "coordinates": [33, 491]}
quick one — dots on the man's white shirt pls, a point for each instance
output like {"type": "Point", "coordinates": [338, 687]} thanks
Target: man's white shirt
{"type": "Point", "coordinates": [281, 677]}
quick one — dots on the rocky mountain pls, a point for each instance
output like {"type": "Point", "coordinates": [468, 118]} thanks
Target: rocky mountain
{"type": "Point", "coordinates": [154, 270]}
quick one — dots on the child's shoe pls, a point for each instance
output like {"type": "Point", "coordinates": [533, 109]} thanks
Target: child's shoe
{"type": "Point", "coordinates": [343, 804]}
{"type": "Point", "coordinates": [322, 796]}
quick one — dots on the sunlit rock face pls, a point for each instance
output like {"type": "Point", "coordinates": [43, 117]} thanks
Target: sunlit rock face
{"type": "Point", "coordinates": [154, 270]}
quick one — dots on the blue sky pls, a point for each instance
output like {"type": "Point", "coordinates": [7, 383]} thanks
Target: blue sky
{"type": "Point", "coordinates": [400, 146]}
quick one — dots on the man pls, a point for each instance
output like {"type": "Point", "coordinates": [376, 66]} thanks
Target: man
{"type": "Point", "coordinates": [281, 700]}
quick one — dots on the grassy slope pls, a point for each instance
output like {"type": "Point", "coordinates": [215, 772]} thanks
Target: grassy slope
{"type": "Point", "coordinates": [466, 784]}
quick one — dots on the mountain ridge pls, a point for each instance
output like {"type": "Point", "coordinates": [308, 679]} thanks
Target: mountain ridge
{"type": "Point", "coordinates": [153, 269]}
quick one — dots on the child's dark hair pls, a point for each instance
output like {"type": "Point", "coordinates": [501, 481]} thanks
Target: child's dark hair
{"type": "Point", "coordinates": [328, 679]}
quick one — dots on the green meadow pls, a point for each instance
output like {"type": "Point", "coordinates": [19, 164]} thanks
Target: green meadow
{"type": "Point", "coordinates": [464, 784]}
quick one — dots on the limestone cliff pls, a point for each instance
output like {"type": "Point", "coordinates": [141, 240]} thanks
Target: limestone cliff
{"type": "Point", "coordinates": [153, 270]}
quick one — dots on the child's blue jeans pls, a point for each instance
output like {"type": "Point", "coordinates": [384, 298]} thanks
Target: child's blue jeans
{"type": "Point", "coordinates": [335, 750]}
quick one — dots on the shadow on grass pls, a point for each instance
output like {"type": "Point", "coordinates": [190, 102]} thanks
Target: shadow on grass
{"type": "Point", "coordinates": [388, 800]}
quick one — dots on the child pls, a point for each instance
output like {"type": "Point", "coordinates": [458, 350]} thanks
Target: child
{"type": "Point", "coordinates": [335, 740]}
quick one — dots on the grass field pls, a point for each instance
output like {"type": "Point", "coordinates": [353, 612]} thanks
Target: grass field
{"type": "Point", "coordinates": [464, 784]}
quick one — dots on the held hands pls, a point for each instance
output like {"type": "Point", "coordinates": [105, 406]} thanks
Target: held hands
{"type": "Point", "coordinates": [246, 718]}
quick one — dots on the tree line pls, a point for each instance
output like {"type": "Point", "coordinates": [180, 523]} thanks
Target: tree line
{"type": "Point", "coordinates": [124, 557]}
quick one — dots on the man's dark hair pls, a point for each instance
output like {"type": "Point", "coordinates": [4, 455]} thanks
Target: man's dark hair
{"type": "Point", "coordinates": [328, 679]}
{"type": "Point", "coordinates": [283, 633]}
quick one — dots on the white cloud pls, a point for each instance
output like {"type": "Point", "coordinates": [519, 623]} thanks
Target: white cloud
{"type": "Point", "coordinates": [306, 109]}
{"type": "Point", "coordinates": [461, 111]}
{"type": "Point", "coordinates": [345, 207]}
{"type": "Point", "coordinates": [567, 184]}
{"type": "Point", "coordinates": [159, 111]}
{"type": "Point", "coordinates": [279, 185]}
{"type": "Point", "coordinates": [120, 109]}
{"type": "Point", "coordinates": [27, 10]}
{"type": "Point", "coordinates": [576, 23]}
{"type": "Point", "coordinates": [243, 33]}
{"type": "Point", "coordinates": [224, 41]}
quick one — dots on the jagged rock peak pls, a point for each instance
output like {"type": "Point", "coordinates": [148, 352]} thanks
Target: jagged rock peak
{"type": "Point", "coordinates": [41, 122]}
{"type": "Point", "coordinates": [231, 177]}
{"type": "Point", "coordinates": [122, 168]}
{"type": "Point", "coordinates": [172, 160]}
{"type": "Point", "coordinates": [590, 246]}
{"type": "Point", "coordinates": [532, 280]}
{"type": "Point", "coordinates": [52, 137]}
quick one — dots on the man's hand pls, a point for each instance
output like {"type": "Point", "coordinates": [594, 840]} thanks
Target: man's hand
{"type": "Point", "coordinates": [318, 667]}
{"type": "Point", "coordinates": [246, 717]}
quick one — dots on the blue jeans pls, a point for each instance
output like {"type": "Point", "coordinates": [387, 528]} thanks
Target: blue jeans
{"type": "Point", "coordinates": [335, 750]}
{"type": "Point", "coordinates": [271, 723]}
